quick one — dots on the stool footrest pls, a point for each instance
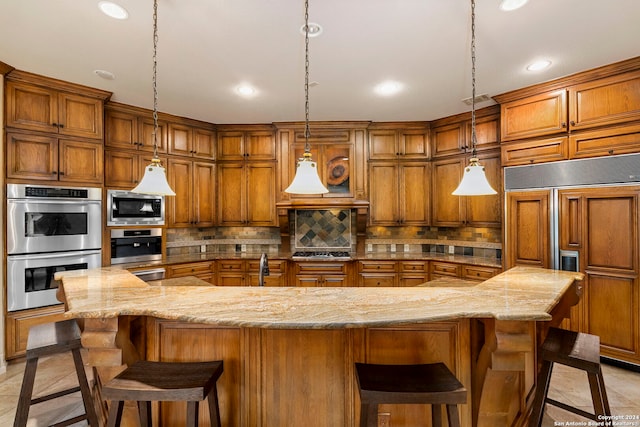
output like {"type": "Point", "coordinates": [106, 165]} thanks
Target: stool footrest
{"type": "Point", "coordinates": [70, 421]}
{"type": "Point", "coordinates": [54, 395]}
{"type": "Point", "coordinates": [571, 409]}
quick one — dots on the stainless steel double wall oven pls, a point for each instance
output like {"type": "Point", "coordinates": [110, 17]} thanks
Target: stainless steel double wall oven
{"type": "Point", "coordinates": [49, 229]}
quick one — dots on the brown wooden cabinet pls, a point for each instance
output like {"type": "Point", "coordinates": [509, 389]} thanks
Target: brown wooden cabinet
{"type": "Point", "coordinates": [602, 224]}
{"type": "Point", "coordinates": [389, 141]}
{"type": "Point", "coordinates": [246, 193]}
{"type": "Point", "coordinates": [455, 211]}
{"type": "Point", "coordinates": [44, 157]}
{"type": "Point", "coordinates": [605, 142]}
{"type": "Point", "coordinates": [412, 273]}
{"type": "Point", "coordinates": [185, 139]}
{"type": "Point", "coordinates": [132, 128]}
{"type": "Point", "coordinates": [40, 104]}
{"type": "Point", "coordinates": [194, 183]}
{"type": "Point", "coordinates": [534, 116]}
{"type": "Point", "coordinates": [399, 193]}
{"type": "Point", "coordinates": [535, 151]}
{"type": "Point", "coordinates": [125, 169]}
{"type": "Point", "coordinates": [236, 272]}
{"type": "Point", "coordinates": [204, 270]}
{"type": "Point", "coordinates": [18, 323]}
{"type": "Point", "coordinates": [528, 229]}
{"type": "Point", "coordinates": [377, 273]}
{"type": "Point", "coordinates": [452, 135]}
{"type": "Point", "coordinates": [321, 273]}
{"type": "Point", "coordinates": [246, 143]}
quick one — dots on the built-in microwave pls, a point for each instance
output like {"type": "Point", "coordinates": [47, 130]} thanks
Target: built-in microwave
{"type": "Point", "coordinates": [127, 208]}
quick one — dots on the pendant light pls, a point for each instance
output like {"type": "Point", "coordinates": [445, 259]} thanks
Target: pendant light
{"type": "Point", "coordinates": [154, 180]}
{"type": "Point", "coordinates": [474, 181]}
{"type": "Point", "coordinates": [306, 180]}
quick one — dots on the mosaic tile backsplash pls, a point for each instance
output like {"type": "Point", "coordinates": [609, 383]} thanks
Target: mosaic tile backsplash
{"type": "Point", "coordinates": [323, 228]}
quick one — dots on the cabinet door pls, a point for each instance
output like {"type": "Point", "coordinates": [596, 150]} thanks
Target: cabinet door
{"type": "Point", "coordinates": [180, 139]}
{"type": "Point", "coordinates": [121, 129]}
{"type": "Point", "coordinates": [261, 194]}
{"type": "Point", "coordinates": [32, 157]}
{"type": "Point", "coordinates": [31, 107]}
{"type": "Point", "coordinates": [414, 191]}
{"type": "Point", "coordinates": [260, 145]}
{"type": "Point", "coordinates": [180, 206]}
{"type": "Point", "coordinates": [80, 116]}
{"type": "Point", "coordinates": [538, 115]}
{"type": "Point", "coordinates": [383, 144]}
{"type": "Point", "coordinates": [448, 140]}
{"type": "Point", "coordinates": [605, 142]}
{"type": "Point", "coordinates": [121, 169]}
{"type": "Point", "coordinates": [486, 211]}
{"type": "Point", "coordinates": [204, 143]}
{"type": "Point", "coordinates": [448, 210]}
{"type": "Point", "coordinates": [372, 280]}
{"type": "Point", "coordinates": [204, 194]}
{"type": "Point", "coordinates": [414, 144]}
{"type": "Point", "coordinates": [231, 145]}
{"type": "Point", "coordinates": [535, 151]}
{"type": "Point", "coordinates": [230, 190]}
{"type": "Point", "coordinates": [383, 188]}
{"type": "Point", "coordinates": [605, 101]}
{"type": "Point", "coordinates": [145, 136]}
{"type": "Point", "coordinates": [528, 229]}
{"type": "Point", "coordinates": [80, 161]}
{"type": "Point", "coordinates": [487, 133]}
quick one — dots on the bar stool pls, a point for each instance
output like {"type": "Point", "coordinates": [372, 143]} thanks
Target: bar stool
{"type": "Point", "coordinates": [46, 340]}
{"type": "Point", "coordinates": [147, 381]}
{"type": "Point", "coordinates": [432, 384]}
{"type": "Point", "coordinates": [577, 350]}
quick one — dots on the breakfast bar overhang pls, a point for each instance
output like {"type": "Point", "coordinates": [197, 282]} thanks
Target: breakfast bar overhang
{"type": "Point", "coordinates": [289, 353]}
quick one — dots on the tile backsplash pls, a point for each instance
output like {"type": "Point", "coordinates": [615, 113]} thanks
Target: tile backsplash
{"type": "Point", "coordinates": [322, 228]}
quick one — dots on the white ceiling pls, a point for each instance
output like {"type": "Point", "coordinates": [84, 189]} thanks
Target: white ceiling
{"type": "Point", "coordinates": [208, 47]}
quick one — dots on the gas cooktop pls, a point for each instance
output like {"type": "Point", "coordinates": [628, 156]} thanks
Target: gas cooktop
{"type": "Point", "coordinates": [335, 255]}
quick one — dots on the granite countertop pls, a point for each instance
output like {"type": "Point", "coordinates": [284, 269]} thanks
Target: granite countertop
{"type": "Point", "coordinates": [382, 256]}
{"type": "Point", "coordinates": [522, 293]}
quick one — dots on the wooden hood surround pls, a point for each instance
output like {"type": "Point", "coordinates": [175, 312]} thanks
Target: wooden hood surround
{"type": "Point", "coordinates": [360, 208]}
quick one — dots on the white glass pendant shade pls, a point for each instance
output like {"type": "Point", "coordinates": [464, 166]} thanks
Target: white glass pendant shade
{"type": "Point", "coordinates": [474, 181]}
{"type": "Point", "coordinates": [154, 181]}
{"type": "Point", "coordinates": [307, 180]}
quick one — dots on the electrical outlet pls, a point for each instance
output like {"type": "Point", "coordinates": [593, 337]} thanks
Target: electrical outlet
{"type": "Point", "coordinates": [384, 419]}
{"type": "Point", "coordinates": [452, 249]}
{"type": "Point", "coordinates": [243, 248]}
{"type": "Point", "coordinates": [203, 248]}
{"type": "Point", "coordinates": [406, 248]}
{"type": "Point", "coordinates": [392, 247]}
{"type": "Point", "coordinates": [369, 247]}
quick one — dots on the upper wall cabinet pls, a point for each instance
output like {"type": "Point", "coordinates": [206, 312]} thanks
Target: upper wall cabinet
{"type": "Point", "coordinates": [40, 104]}
{"type": "Point", "coordinates": [389, 141]}
{"type": "Point", "coordinates": [452, 135]}
{"type": "Point", "coordinates": [246, 143]}
{"type": "Point", "coordinates": [585, 105]}
{"type": "Point", "coordinates": [187, 139]}
{"type": "Point", "coordinates": [132, 128]}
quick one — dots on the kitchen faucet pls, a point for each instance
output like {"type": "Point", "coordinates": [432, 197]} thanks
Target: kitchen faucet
{"type": "Point", "coordinates": [264, 269]}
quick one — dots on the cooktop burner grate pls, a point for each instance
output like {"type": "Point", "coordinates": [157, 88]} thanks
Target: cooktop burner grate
{"type": "Point", "coordinates": [327, 254]}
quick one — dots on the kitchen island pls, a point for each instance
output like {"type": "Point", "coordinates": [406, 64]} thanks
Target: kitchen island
{"type": "Point", "coordinates": [289, 352]}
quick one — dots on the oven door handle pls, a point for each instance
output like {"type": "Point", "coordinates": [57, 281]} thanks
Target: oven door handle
{"type": "Point", "coordinates": [53, 202]}
{"type": "Point", "coordinates": [53, 255]}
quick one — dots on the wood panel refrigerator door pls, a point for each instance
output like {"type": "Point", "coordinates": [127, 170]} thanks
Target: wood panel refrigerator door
{"type": "Point", "coordinates": [528, 230]}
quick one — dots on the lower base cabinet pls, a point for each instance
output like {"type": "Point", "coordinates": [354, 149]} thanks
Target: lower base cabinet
{"type": "Point", "coordinates": [321, 274]}
{"type": "Point", "coordinates": [202, 270]}
{"type": "Point", "coordinates": [18, 323]}
{"type": "Point", "coordinates": [236, 272]}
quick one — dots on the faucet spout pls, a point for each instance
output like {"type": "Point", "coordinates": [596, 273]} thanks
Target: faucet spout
{"type": "Point", "coordinates": [264, 269]}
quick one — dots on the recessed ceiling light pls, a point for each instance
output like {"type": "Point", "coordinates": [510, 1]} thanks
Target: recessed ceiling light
{"type": "Point", "coordinates": [388, 88]}
{"type": "Point", "coordinates": [509, 5]}
{"type": "Point", "coordinates": [539, 65]}
{"type": "Point", "coordinates": [113, 10]}
{"type": "Point", "coordinates": [107, 75]}
{"type": "Point", "coordinates": [246, 90]}
{"type": "Point", "coordinates": [314, 29]}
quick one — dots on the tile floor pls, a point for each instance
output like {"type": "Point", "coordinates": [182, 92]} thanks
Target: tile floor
{"type": "Point", "coordinates": [567, 384]}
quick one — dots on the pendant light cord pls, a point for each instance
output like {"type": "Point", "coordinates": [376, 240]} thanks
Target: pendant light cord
{"type": "Point", "coordinates": [473, 78]}
{"type": "Point", "coordinates": [155, 83]}
{"type": "Point", "coordinates": [307, 133]}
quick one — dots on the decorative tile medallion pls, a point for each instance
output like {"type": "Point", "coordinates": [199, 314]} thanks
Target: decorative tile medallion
{"type": "Point", "coordinates": [323, 228]}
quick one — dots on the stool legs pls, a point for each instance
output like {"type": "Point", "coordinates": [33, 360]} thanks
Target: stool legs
{"type": "Point", "coordinates": [87, 398]}
{"type": "Point", "coordinates": [26, 391]}
{"type": "Point", "coordinates": [214, 408]}
{"type": "Point", "coordinates": [369, 415]}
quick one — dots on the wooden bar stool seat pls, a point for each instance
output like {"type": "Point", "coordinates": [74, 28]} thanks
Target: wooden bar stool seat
{"type": "Point", "coordinates": [432, 384]}
{"type": "Point", "coordinates": [577, 350]}
{"type": "Point", "coordinates": [146, 381]}
{"type": "Point", "coordinates": [46, 340]}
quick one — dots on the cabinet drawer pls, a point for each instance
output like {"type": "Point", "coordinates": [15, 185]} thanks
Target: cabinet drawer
{"type": "Point", "coordinates": [605, 142]}
{"type": "Point", "coordinates": [189, 269]}
{"type": "Point", "coordinates": [378, 280]}
{"type": "Point", "coordinates": [377, 266]}
{"type": "Point", "coordinates": [536, 151]}
{"type": "Point", "coordinates": [275, 265]}
{"type": "Point", "coordinates": [230, 265]}
{"type": "Point", "coordinates": [478, 273]}
{"type": "Point", "coordinates": [321, 268]}
{"type": "Point", "coordinates": [414, 266]}
{"type": "Point", "coordinates": [445, 269]}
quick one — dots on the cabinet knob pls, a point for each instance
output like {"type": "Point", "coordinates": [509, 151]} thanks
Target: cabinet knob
{"type": "Point", "coordinates": [564, 124]}
{"type": "Point", "coordinates": [610, 151]}
{"type": "Point", "coordinates": [54, 172]}
{"type": "Point", "coordinates": [60, 125]}
{"type": "Point", "coordinates": [54, 124]}
{"type": "Point", "coordinates": [572, 123]}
